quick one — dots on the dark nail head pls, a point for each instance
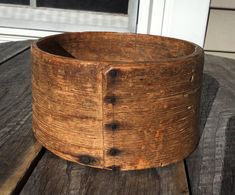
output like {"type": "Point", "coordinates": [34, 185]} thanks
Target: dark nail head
{"type": "Point", "coordinates": [86, 159]}
{"type": "Point", "coordinates": [111, 99]}
{"type": "Point", "coordinates": [113, 73]}
{"type": "Point", "coordinates": [114, 152]}
{"type": "Point", "coordinates": [115, 168]}
{"type": "Point", "coordinates": [113, 126]}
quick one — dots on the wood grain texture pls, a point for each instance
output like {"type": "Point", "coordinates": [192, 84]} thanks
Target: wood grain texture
{"type": "Point", "coordinates": [156, 113]}
{"type": "Point", "coordinates": [56, 176]}
{"type": "Point", "coordinates": [18, 148]}
{"type": "Point", "coordinates": [211, 166]}
{"type": "Point", "coordinates": [116, 100]}
{"type": "Point", "coordinates": [228, 174]}
{"type": "Point", "coordinates": [10, 49]}
{"type": "Point", "coordinates": [72, 128]}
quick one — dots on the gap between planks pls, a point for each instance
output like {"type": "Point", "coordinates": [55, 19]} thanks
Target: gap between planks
{"type": "Point", "coordinates": [11, 49]}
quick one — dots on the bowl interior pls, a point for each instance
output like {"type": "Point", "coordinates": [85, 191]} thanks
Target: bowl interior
{"type": "Point", "coordinates": [97, 46]}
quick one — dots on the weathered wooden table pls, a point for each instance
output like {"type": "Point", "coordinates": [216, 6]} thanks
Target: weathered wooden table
{"type": "Point", "coordinates": [27, 168]}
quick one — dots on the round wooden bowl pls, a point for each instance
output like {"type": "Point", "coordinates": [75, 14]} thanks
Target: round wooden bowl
{"type": "Point", "coordinates": [117, 100]}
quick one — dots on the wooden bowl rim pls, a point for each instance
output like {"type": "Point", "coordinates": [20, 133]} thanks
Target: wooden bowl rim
{"type": "Point", "coordinates": [198, 51]}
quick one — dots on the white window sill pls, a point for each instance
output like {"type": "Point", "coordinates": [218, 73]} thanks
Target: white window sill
{"type": "Point", "coordinates": [61, 20]}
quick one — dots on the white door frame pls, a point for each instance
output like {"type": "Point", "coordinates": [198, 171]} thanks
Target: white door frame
{"type": "Point", "coordinates": [184, 19]}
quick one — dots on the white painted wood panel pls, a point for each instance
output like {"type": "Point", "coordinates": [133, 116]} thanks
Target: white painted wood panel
{"type": "Point", "coordinates": [21, 22]}
{"type": "Point", "coordinates": [186, 19]}
{"type": "Point", "coordinates": [221, 31]}
{"type": "Point", "coordinates": [16, 34]}
{"type": "Point", "coordinates": [61, 20]}
{"type": "Point", "coordinates": [222, 54]}
{"type": "Point", "coordinates": [223, 3]}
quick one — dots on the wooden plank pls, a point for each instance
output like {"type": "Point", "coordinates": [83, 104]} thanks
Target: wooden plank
{"type": "Point", "coordinates": [211, 166]}
{"type": "Point", "coordinates": [10, 49]}
{"type": "Point", "coordinates": [56, 176]}
{"type": "Point", "coordinates": [228, 174]}
{"type": "Point", "coordinates": [18, 148]}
